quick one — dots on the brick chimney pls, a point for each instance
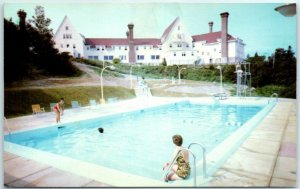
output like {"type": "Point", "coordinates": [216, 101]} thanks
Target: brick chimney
{"type": "Point", "coordinates": [131, 43]}
{"type": "Point", "coordinates": [210, 26]}
{"type": "Point", "coordinates": [22, 16]}
{"type": "Point", "coordinates": [224, 33]}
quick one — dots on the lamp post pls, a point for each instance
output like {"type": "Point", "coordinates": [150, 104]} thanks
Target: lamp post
{"type": "Point", "coordinates": [287, 10]}
{"type": "Point", "coordinates": [111, 68]}
{"type": "Point", "coordinates": [131, 85]}
{"type": "Point", "coordinates": [179, 74]}
{"type": "Point", "coordinates": [221, 85]}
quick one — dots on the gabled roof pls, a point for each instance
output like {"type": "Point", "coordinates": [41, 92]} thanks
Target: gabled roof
{"type": "Point", "coordinates": [106, 41]}
{"type": "Point", "coordinates": [147, 41]}
{"type": "Point", "coordinates": [211, 37]}
{"type": "Point", "coordinates": [169, 28]}
{"type": "Point", "coordinates": [121, 41]}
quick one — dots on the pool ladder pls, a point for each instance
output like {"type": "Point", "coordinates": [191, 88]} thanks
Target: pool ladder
{"type": "Point", "coordinates": [194, 158]}
{"type": "Point", "coordinates": [6, 125]}
{"type": "Point", "coordinates": [272, 96]}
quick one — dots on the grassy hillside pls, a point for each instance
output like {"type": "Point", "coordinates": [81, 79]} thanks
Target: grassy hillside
{"type": "Point", "coordinates": [18, 102]}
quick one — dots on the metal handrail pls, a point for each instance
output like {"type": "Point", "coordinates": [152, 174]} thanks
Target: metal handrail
{"type": "Point", "coordinates": [274, 94]}
{"type": "Point", "coordinates": [204, 157]}
{"type": "Point", "coordinates": [6, 124]}
{"type": "Point", "coordinates": [174, 160]}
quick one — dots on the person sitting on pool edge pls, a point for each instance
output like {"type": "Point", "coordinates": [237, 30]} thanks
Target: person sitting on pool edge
{"type": "Point", "coordinates": [181, 169]}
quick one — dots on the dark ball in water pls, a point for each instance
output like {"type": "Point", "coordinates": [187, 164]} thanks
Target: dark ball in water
{"type": "Point", "coordinates": [101, 130]}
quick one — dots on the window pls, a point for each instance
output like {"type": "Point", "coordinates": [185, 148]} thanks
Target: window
{"type": "Point", "coordinates": [137, 48]}
{"type": "Point", "coordinates": [126, 48]}
{"type": "Point", "coordinates": [64, 36]}
{"type": "Point", "coordinates": [187, 46]}
{"type": "Point", "coordinates": [119, 47]}
{"type": "Point", "coordinates": [95, 57]}
{"type": "Point", "coordinates": [183, 54]}
{"type": "Point", "coordinates": [170, 46]}
{"type": "Point", "coordinates": [90, 57]}
{"type": "Point", "coordinates": [140, 57]}
{"type": "Point", "coordinates": [61, 45]}
{"type": "Point", "coordinates": [108, 57]}
{"type": "Point", "coordinates": [145, 47]}
{"type": "Point", "coordinates": [88, 48]}
{"type": "Point", "coordinates": [174, 53]}
{"type": "Point", "coordinates": [192, 54]}
{"type": "Point", "coordinates": [154, 57]}
{"type": "Point", "coordinates": [74, 46]}
{"type": "Point", "coordinates": [179, 45]}
{"type": "Point", "coordinates": [193, 44]}
{"type": "Point", "coordinates": [179, 36]}
{"type": "Point", "coordinates": [98, 49]}
{"type": "Point", "coordinates": [67, 27]}
{"type": "Point", "coordinates": [68, 45]}
{"type": "Point", "coordinates": [122, 57]}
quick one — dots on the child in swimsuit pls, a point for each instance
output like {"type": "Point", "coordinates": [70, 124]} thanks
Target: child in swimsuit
{"type": "Point", "coordinates": [58, 109]}
{"type": "Point", "coordinates": [181, 169]}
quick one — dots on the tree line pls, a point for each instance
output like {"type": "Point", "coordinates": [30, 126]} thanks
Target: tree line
{"type": "Point", "coordinates": [29, 50]}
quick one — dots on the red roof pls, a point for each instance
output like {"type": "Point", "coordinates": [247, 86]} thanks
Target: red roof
{"type": "Point", "coordinates": [147, 41]}
{"type": "Point", "coordinates": [106, 41]}
{"type": "Point", "coordinates": [121, 41]}
{"type": "Point", "coordinates": [210, 37]}
{"type": "Point", "coordinates": [169, 28]}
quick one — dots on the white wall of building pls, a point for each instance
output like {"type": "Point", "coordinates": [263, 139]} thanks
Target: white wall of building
{"type": "Point", "coordinates": [67, 39]}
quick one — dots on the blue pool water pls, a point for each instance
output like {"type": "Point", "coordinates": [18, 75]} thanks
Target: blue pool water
{"type": "Point", "coordinates": [139, 142]}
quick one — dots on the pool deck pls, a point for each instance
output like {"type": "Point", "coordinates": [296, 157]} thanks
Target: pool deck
{"type": "Point", "coordinates": [266, 159]}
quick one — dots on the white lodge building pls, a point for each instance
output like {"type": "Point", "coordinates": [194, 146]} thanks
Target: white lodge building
{"type": "Point", "coordinates": [176, 45]}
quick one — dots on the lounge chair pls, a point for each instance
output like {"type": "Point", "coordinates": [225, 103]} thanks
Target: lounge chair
{"type": "Point", "coordinates": [93, 102]}
{"type": "Point", "coordinates": [75, 104]}
{"type": "Point", "coordinates": [36, 108]}
{"type": "Point", "coordinates": [112, 99]}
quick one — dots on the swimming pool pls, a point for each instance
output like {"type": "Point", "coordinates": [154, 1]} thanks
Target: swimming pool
{"type": "Point", "coordinates": [140, 142]}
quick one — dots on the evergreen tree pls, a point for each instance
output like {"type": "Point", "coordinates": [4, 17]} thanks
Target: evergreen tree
{"type": "Point", "coordinates": [40, 22]}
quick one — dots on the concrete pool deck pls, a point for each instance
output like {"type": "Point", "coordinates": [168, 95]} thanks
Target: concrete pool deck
{"type": "Point", "coordinates": [266, 159]}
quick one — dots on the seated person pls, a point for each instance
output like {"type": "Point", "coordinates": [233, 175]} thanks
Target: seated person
{"type": "Point", "coordinates": [181, 169]}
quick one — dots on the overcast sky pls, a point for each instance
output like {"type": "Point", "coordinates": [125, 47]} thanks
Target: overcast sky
{"type": "Point", "coordinates": [260, 27]}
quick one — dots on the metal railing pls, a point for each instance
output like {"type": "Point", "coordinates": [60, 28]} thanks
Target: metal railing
{"type": "Point", "coordinates": [6, 125]}
{"type": "Point", "coordinates": [204, 157]}
{"type": "Point", "coordinates": [174, 160]}
{"type": "Point", "coordinates": [272, 96]}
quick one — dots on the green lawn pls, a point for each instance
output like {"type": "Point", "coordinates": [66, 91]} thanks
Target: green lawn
{"type": "Point", "coordinates": [18, 102]}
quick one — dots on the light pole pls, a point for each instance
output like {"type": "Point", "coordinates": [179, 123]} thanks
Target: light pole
{"type": "Point", "coordinates": [102, 101]}
{"type": "Point", "coordinates": [221, 85]}
{"type": "Point", "coordinates": [131, 74]}
{"type": "Point", "coordinates": [179, 75]}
